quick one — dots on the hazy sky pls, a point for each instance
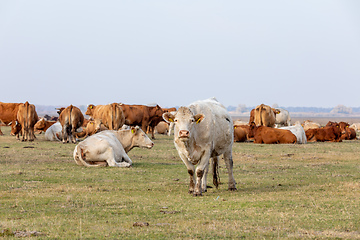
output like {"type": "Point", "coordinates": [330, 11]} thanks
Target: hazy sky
{"type": "Point", "coordinates": [293, 53]}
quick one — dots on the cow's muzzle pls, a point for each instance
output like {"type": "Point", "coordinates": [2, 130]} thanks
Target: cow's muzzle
{"type": "Point", "coordinates": [184, 134]}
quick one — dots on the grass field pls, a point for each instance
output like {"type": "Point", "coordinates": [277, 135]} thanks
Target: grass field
{"type": "Point", "coordinates": [307, 191]}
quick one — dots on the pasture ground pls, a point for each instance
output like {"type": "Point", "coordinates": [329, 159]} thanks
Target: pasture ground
{"type": "Point", "coordinates": [309, 191]}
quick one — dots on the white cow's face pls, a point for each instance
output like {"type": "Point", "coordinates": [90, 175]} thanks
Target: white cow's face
{"type": "Point", "coordinates": [184, 121]}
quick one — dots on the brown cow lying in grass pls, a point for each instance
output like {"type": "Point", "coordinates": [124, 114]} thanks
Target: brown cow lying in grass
{"type": "Point", "coordinates": [329, 133]}
{"type": "Point", "coordinates": [270, 135]}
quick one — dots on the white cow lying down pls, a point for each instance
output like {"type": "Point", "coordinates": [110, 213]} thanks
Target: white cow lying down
{"type": "Point", "coordinates": [298, 131]}
{"type": "Point", "coordinates": [110, 147]}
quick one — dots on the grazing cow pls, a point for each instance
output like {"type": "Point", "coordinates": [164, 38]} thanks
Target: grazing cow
{"type": "Point", "coordinates": [282, 118]}
{"type": "Point", "coordinates": [26, 117]}
{"type": "Point", "coordinates": [8, 113]}
{"type": "Point", "coordinates": [110, 148]}
{"type": "Point", "coordinates": [143, 116]}
{"type": "Point", "coordinates": [162, 128]}
{"type": "Point", "coordinates": [71, 118]}
{"type": "Point", "coordinates": [298, 131]}
{"type": "Point", "coordinates": [308, 124]}
{"type": "Point", "coordinates": [239, 134]}
{"type": "Point", "coordinates": [111, 115]}
{"type": "Point", "coordinates": [42, 125]}
{"type": "Point", "coordinates": [203, 130]}
{"type": "Point", "coordinates": [347, 133]}
{"type": "Point", "coordinates": [328, 133]}
{"type": "Point", "coordinates": [263, 115]}
{"type": "Point", "coordinates": [270, 135]}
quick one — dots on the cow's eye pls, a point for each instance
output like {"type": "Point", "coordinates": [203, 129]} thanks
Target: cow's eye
{"type": "Point", "coordinates": [175, 120]}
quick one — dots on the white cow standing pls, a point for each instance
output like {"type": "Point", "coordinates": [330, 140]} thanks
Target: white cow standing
{"type": "Point", "coordinates": [110, 147]}
{"type": "Point", "coordinates": [282, 118]}
{"type": "Point", "coordinates": [203, 130]}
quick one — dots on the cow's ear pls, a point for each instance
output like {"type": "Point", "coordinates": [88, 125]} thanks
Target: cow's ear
{"type": "Point", "coordinates": [198, 118]}
{"type": "Point", "coordinates": [168, 117]}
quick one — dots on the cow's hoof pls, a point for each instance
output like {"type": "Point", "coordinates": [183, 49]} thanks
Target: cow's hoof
{"type": "Point", "coordinates": [232, 188]}
{"type": "Point", "coordinates": [196, 194]}
{"type": "Point", "coordinates": [191, 191]}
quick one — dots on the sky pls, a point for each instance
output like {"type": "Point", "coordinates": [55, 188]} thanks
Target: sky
{"type": "Point", "coordinates": [299, 53]}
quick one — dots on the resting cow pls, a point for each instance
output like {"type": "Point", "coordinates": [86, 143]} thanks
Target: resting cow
{"type": "Point", "coordinates": [203, 130]}
{"type": "Point", "coordinates": [327, 133]}
{"type": "Point", "coordinates": [240, 134]}
{"type": "Point", "coordinates": [71, 118]}
{"type": "Point", "coordinates": [111, 115]}
{"type": "Point", "coordinates": [347, 133]}
{"type": "Point", "coordinates": [298, 131]}
{"type": "Point", "coordinates": [270, 135]}
{"type": "Point", "coordinates": [42, 125]}
{"type": "Point", "coordinates": [110, 148]}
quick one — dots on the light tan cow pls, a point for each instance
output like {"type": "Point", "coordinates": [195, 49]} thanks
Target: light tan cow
{"type": "Point", "coordinates": [110, 147]}
{"type": "Point", "coordinates": [308, 124]}
{"type": "Point", "coordinates": [111, 115]}
{"type": "Point", "coordinates": [264, 115]}
{"type": "Point", "coordinates": [27, 117]}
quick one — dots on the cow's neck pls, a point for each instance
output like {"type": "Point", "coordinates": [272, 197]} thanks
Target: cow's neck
{"type": "Point", "coordinates": [126, 139]}
{"type": "Point", "coordinates": [193, 151]}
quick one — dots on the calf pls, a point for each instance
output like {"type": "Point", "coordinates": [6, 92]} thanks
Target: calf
{"type": "Point", "coordinates": [110, 148]}
{"type": "Point", "coordinates": [42, 125]}
{"type": "Point", "coordinates": [239, 134]}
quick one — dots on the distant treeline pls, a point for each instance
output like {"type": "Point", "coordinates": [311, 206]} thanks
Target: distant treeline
{"type": "Point", "coordinates": [298, 109]}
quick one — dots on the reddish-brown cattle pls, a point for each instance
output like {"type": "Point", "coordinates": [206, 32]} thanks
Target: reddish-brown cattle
{"type": "Point", "coordinates": [71, 118]}
{"type": "Point", "coordinates": [347, 133]}
{"type": "Point", "coordinates": [263, 115]}
{"type": "Point", "coordinates": [141, 115]}
{"type": "Point", "coordinates": [330, 133]}
{"type": "Point", "coordinates": [42, 125]}
{"type": "Point", "coordinates": [270, 135]}
{"type": "Point", "coordinates": [8, 113]}
{"type": "Point", "coordinates": [239, 134]}
{"type": "Point", "coordinates": [27, 118]}
{"type": "Point", "coordinates": [111, 115]}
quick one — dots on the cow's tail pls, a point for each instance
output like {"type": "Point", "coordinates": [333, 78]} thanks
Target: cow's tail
{"type": "Point", "coordinates": [80, 158]}
{"type": "Point", "coordinates": [215, 168]}
{"type": "Point", "coordinates": [117, 116]}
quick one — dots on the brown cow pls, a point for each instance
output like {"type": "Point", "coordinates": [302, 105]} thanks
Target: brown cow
{"type": "Point", "coordinates": [111, 115]}
{"type": "Point", "coordinates": [162, 128]}
{"type": "Point", "coordinates": [263, 115]}
{"type": "Point", "coordinates": [141, 115]}
{"type": "Point", "coordinates": [27, 118]}
{"type": "Point", "coordinates": [270, 135]}
{"type": "Point", "coordinates": [8, 113]}
{"type": "Point", "coordinates": [71, 118]}
{"type": "Point", "coordinates": [42, 125]}
{"type": "Point", "coordinates": [328, 133]}
{"type": "Point", "coordinates": [347, 133]}
{"type": "Point", "coordinates": [94, 126]}
{"type": "Point", "coordinates": [240, 134]}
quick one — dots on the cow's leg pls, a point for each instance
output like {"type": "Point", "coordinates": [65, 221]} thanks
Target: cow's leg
{"type": "Point", "coordinates": [191, 170]}
{"type": "Point", "coordinates": [200, 172]}
{"type": "Point", "coordinates": [23, 133]}
{"type": "Point", "coordinates": [73, 135]}
{"type": "Point", "coordinates": [113, 163]}
{"type": "Point", "coordinates": [65, 135]}
{"type": "Point", "coordinates": [204, 179]}
{"type": "Point", "coordinates": [31, 134]}
{"type": "Point", "coordinates": [1, 133]}
{"type": "Point", "coordinates": [229, 166]}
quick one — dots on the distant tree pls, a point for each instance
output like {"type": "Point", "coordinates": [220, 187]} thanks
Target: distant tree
{"type": "Point", "coordinates": [342, 109]}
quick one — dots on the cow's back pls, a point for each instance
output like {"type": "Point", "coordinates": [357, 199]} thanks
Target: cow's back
{"type": "Point", "coordinates": [217, 126]}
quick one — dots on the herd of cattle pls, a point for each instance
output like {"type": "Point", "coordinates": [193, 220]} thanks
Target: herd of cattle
{"type": "Point", "coordinates": [203, 131]}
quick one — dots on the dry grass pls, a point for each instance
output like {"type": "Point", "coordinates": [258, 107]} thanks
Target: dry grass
{"type": "Point", "coordinates": [284, 191]}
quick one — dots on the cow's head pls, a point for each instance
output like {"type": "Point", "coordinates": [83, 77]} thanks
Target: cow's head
{"type": "Point", "coordinates": [15, 128]}
{"type": "Point", "coordinates": [140, 139]}
{"type": "Point", "coordinates": [184, 120]}
{"type": "Point", "coordinates": [90, 109]}
{"type": "Point", "coordinates": [39, 125]}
